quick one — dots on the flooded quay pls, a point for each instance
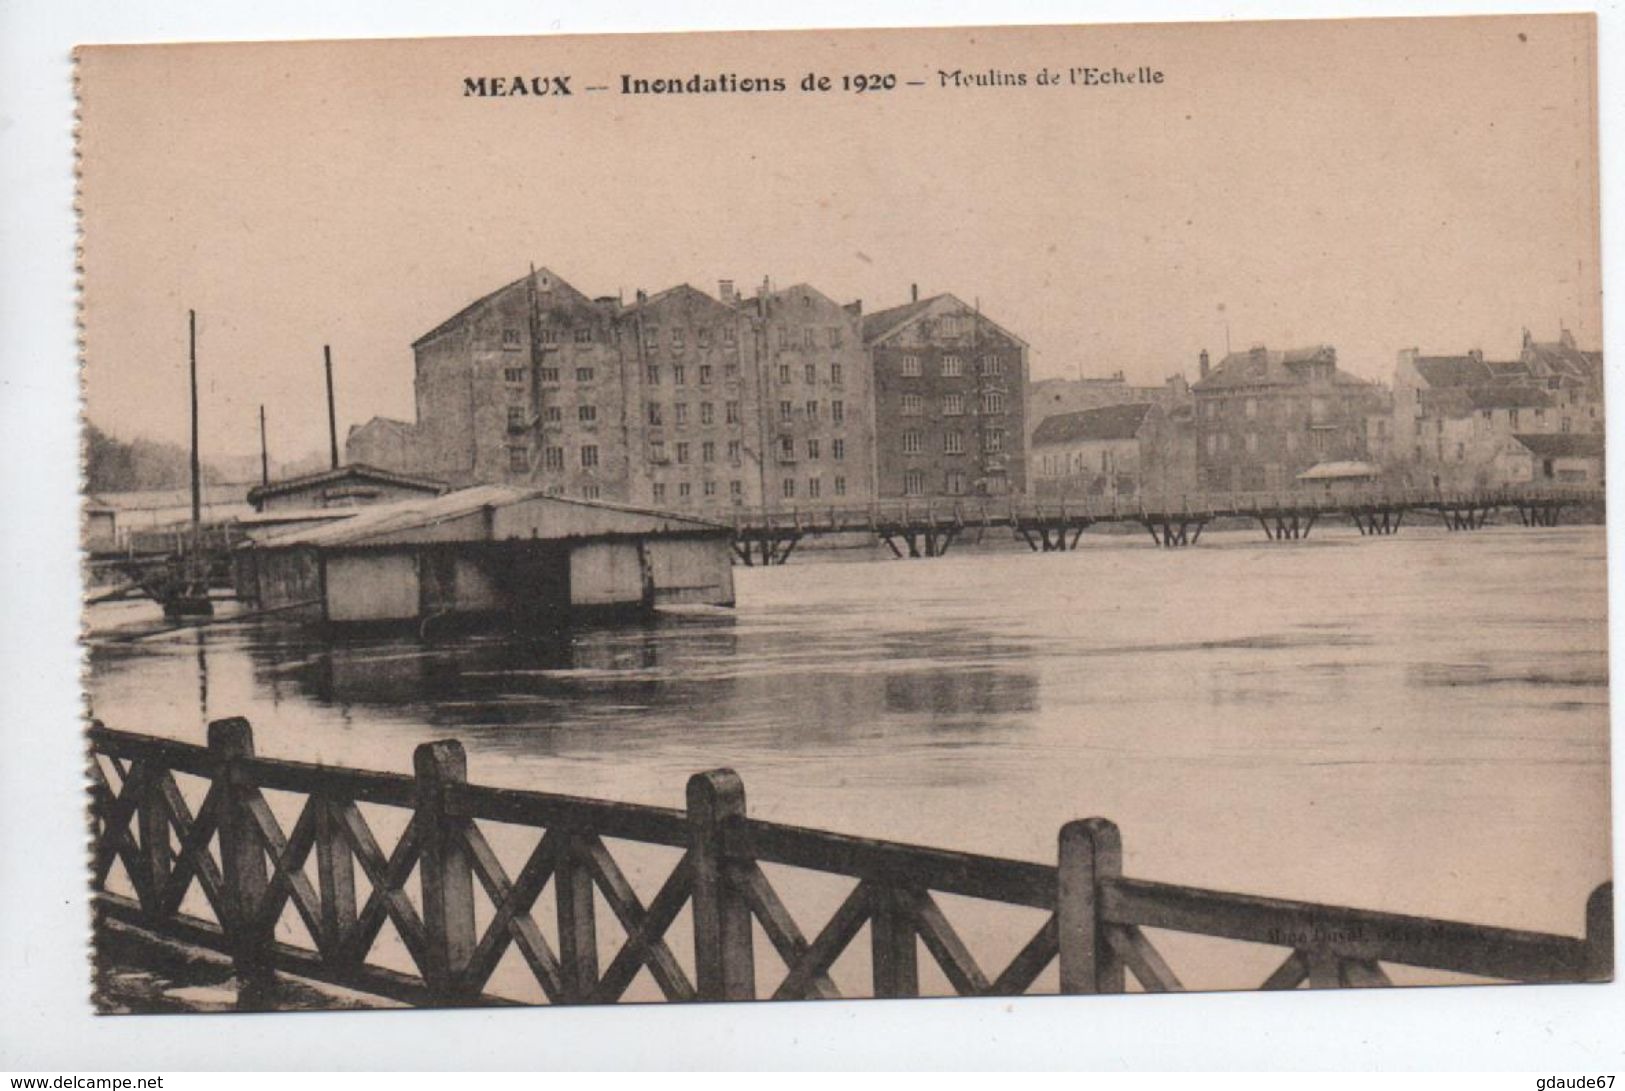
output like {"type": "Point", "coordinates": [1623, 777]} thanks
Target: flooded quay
{"type": "Point", "coordinates": [1417, 723]}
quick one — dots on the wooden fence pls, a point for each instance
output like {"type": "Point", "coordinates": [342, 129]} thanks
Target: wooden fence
{"type": "Point", "coordinates": [251, 870]}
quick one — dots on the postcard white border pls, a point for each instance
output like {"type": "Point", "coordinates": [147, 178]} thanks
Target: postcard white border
{"type": "Point", "coordinates": [45, 1020]}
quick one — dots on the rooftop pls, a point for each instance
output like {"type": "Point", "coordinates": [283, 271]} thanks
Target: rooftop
{"type": "Point", "coordinates": [487, 513]}
{"type": "Point", "coordinates": [355, 471]}
{"type": "Point", "coordinates": [1562, 444]}
{"type": "Point", "coordinates": [1105, 423]}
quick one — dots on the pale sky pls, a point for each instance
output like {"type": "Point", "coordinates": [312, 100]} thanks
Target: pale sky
{"type": "Point", "coordinates": [1372, 184]}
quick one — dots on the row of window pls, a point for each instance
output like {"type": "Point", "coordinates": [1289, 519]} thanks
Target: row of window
{"type": "Point", "coordinates": [547, 374]}
{"type": "Point", "coordinates": [679, 337]}
{"type": "Point", "coordinates": [685, 490]}
{"type": "Point", "coordinates": [837, 410]}
{"type": "Point", "coordinates": [815, 487]}
{"type": "Point", "coordinates": [954, 483]}
{"type": "Point", "coordinates": [1216, 407]}
{"type": "Point", "coordinates": [787, 449]}
{"type": "Point", "coordinates": [808, 337]}
{"type": "Point", "coordinates": [513, 340]}
{"type": "Point", "coordinates": [809, 372]}
{"type": "Point", "coordinates": [685, 451]}
{"type": "Point", "coordinates": [1320, 440]}
{"type": "Point", "coordinates": [953, 405]}
{"type": "Point", "coordinates": [1075, 463]}
{"type": "Point", "coordinates": [655, 413]}
{"type": "Point", "coordinates": [679, 374]}
{"type": "Point", "coordinates": [953, 443]}
{"type": "Point", "coordinates": [952, 366]}
{"type": "Point", "coordinates": [552, 458]}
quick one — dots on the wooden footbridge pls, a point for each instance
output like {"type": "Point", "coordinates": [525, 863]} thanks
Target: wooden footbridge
{"type": "Point", "coordinates": [929, 528]}
{"type": "Point", "coordinates": [189, 849]}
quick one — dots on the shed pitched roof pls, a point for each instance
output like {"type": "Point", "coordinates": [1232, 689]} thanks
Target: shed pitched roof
{"type": "Point", "coordinates": [1108, 422]}
{"type": "Point", "coordinates": [357, 471]}
{"type": "Point", "coordinates": [560, 517]}
{"type": "Point", "coordinates": [1562, 444]}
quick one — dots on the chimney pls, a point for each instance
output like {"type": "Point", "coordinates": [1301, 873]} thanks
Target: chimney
{"type": "Point", "coordinates": [643, 296]}
{"type": "Point", "coordinates": [725, 289]}
{"type": "Point", "coordinates": [1203, 362]}
{"type": "Point", "coordinates": [913, 293]}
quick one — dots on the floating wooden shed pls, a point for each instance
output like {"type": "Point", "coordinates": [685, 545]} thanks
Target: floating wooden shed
{"type": "Point", "coordinates": [495, 551]}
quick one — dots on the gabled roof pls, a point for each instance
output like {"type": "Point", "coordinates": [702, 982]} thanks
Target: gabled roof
{"type": "Point", "coordinates": [1109, 422]}
{"type": "Point", "coordinates": [544, 276]}
{"type": "Point", "coordinates": [677, 292]}
{"type": "Point", "coordinates": [384, 424]}
{"type": "Point", "coordinates": [883, 324]}
{"type": "Point", "coordinates": [1562, 444]}
{"type": "Point", "coordinates": [355, 471]}
{"type": "Point", "coordinates": [511, 512]}
{"type": "Point", "coordinates": [880, 323]}
{"type": "Point", "coordinates": [1563, 359]}
{"type": "Point", "coordinates": [1341, 471]}
{"type": "Point", "coordinates": [1261, 366]}
{"type": "Point", "coordinates": [1452, 370]}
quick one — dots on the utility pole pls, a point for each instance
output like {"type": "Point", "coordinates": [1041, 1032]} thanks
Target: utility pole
{"type": "Point", "coordinates": [197, 489]}
{"type": "Point", "coordinates": [332, 417]}
{"type": "Point", "coordinates": [265, 458]}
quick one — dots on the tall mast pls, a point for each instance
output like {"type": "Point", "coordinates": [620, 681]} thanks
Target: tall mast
{"type": "Point", "coordinates": [332, 416]}
{"type": "Point", "coordinates": [197, 489]}
{"type": "Point", "coordinates": [265, 458]}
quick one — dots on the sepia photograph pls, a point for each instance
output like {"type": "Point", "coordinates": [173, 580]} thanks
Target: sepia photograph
{"type": "Point", "coordinates": [843, 514]}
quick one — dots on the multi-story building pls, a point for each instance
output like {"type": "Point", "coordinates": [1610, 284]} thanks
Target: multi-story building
{"type": "Point", "coordinates": [1263, 417]}
{"type": "Point", "coordinates": [524, 385]}
{"type": "Point", "coordinates": [1456, 419]}
{"type": "Point", "coordinates": [676, 400]}
{"type": "Point", "coordinates": [692, 370]}
{"type": "Point", "coordinates": [815, 410]}
{"type": "Point", "coordinates": [950, 400]}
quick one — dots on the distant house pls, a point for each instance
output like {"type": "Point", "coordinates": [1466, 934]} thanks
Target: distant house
{"type": "Point", "coordinates": [1266, 416]}
{"type": "Point", "coordinates": [387, 443]}
{"type": "Point", "coordinates": [1112, 451]}
{"type": "Point", "coordinates": [1575, 458]}
{"type": "Point", "coordinates": [349, 486]}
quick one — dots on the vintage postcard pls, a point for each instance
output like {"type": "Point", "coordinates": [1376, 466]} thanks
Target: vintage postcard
{"type": "Point", "coordinates": [976, 511]}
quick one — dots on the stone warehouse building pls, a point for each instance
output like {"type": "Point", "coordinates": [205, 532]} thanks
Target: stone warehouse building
{"type": "Point", "coordinates": [950, 400]}
{"type": "Point", "coordinates": [676, 400]}
{"type": "Point", "coordinates": [1263, 417]}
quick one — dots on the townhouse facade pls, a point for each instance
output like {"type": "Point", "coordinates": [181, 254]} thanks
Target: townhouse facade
{"type": "Point", "coordinates": [1264, 416]}
{"type": "Point", "coordinates": [950, 391]}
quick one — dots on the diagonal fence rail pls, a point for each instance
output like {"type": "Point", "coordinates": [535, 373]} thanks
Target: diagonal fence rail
{"type": "Point", "coordinates": [250, 873]}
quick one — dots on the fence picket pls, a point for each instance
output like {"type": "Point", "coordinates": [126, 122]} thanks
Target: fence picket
{"type": "Point", "coordinates": [724, 962]}
{"type": "Point", "coordinates": [448, 876]}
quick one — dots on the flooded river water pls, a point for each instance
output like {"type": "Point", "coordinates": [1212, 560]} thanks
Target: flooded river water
{"type": "Point", "coordinates": [1417, 723]}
